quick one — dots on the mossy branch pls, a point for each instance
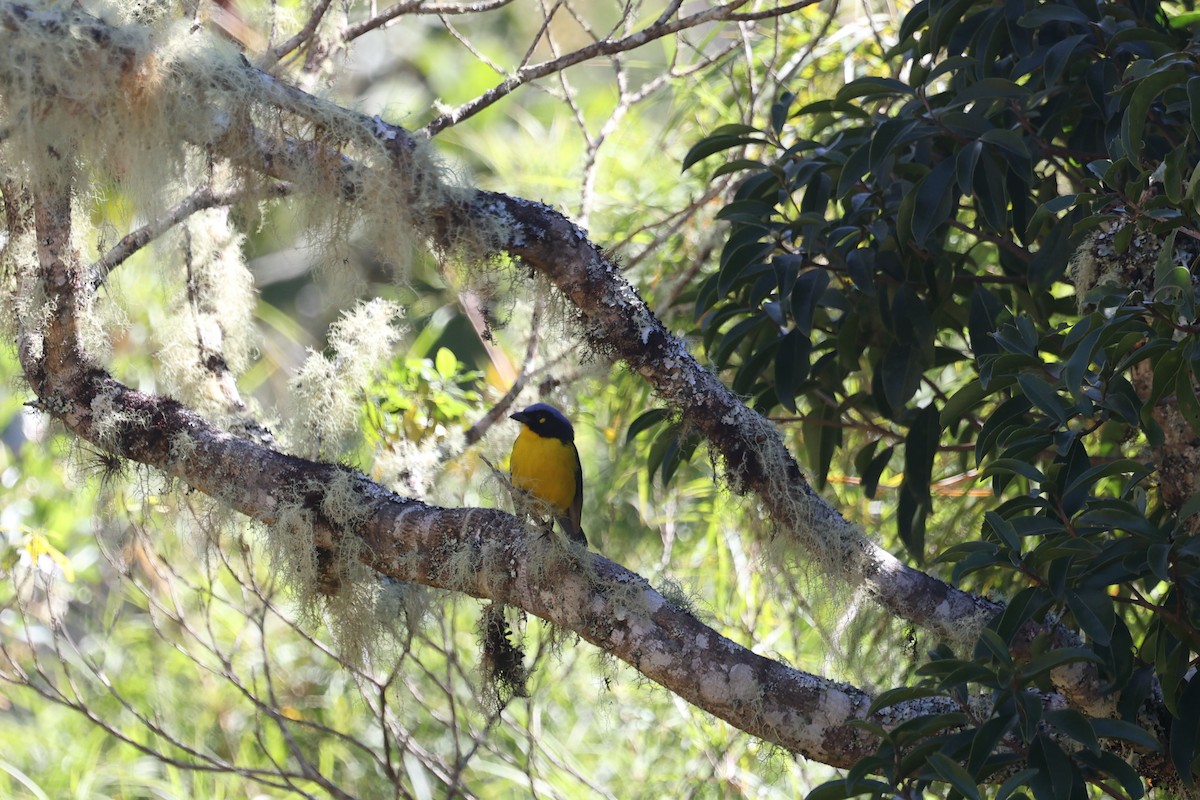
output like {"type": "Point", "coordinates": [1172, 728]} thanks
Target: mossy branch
{"type": "Point", "coordinates": [404, 539]}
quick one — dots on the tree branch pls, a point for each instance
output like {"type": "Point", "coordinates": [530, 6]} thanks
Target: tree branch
{"type": "Point", "coordinates": [601, 601]}
{"type": "Point", "coordinates": [604, 603]}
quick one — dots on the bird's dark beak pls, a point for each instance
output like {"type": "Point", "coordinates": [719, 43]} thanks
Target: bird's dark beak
{"type": "Point", "coordinates": [519, 416]}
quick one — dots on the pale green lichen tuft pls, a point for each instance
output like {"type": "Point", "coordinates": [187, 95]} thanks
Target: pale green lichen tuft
{"type": "Point", "coordinates": [110, 420]}
{"type": "Point", "coordinates": [328, 390]}
{"type": "Point", "coordinates": [139, 110]}
{"type": "Point", "coordinates": [328, 575]}
{"type": "Point", "coordinates": [206, 330]}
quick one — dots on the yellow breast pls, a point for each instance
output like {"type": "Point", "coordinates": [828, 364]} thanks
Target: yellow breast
{"type": "Point", "coordinates": [545, 468]}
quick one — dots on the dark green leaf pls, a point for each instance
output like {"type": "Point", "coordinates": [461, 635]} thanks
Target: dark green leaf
{"type": "Point", "coordinates": [935, 198]}
{"type": "Point", "coordinates": [1041, 665]}
{"type": "Point", "coordinates": [1014, 782]}
{"type": "Point", "coordinates": [1016, 467]}
{"type": "Point", "coordinates": [858, 776]}
{"type": "Point", "coordinates": [1120, 729]}
{"type": "Point", "coordinates": [1055, 774]}
{"type": "Point", "coordinates": [953, 773]}
{"type": "Point", "coordinates": [1078, 362]}
{"type": "Point", "coordinates": [1158, 557]}
{"type": "Point", "coordinates": [1027, 604]}
{"type": "Point", "coordinates": [730, 167]}
{"type": "Point", "coordinates": [1053, 12]}
{"type": "Point", "coordinates": [854, 169]}
{"type": "Point", "coordinates": [646, 420]}
{"type": "Point", "coordinates": [1189, 403]}
{"type": "Point", "coordinates": [835, 790]}
{"type": "Point", "coordinates": [991, 646]}
{"type": "Point", "coordinates": [1004, 529]}
{"type": "Point", "coordinates": [1190, 507]}
{"type": "Point", "coordinates": [736, 337]}
{"type": "Point", "coordinates": [860, 265]}
{"type": "Point", "coordinates": [1193, 94]}
{"type": "Point", "coordinates": [1116, 517]}
{"type": "Point", "coordinates": [664, 442]}
{"type": "Point", "coordinates": [806, 297]}
{"type": "Point", "coordinates": [1133, 123]}
{"type": "Point", "coordinates": [1093, 611]}
{"type": "Point", "coordinates": [873, 87]}
{"type": "Point", "coordinates": [978, 556]}
{"type": "Point", "coordinates": [927, 725]}
{"type": "Point", "coordinates": [983, 320]}
{"type": "Point", "coordinates": [1112, 764]}
{"type": "Point", "coordinates": [1075, 725]}
{"type": "Point", "coordinates": [1030, 708]}
{"type": "Point", "coordinates": [1043, 396]}
{"type": "Point", "coordinates": [791, 367]}
{"type": "Point", "coordinates": [991, 192]}
{"type": "Point", "coordinates": [887, 137]}
{"type": "Point", "coordinates": [821, 435]}
{"type": "Point", "coordinates": [962, 401]}
{"type": "Point", "coordinates": [964, 166]}
{"type": "Point", "coordinates": [1058, 57]}
{"type": "Point", "coordinates": [901, 695]}
{"type": "Point", "coordinates": [900, 374]}
{"type": "Point", "coordinates": [679, 451]}
{"type": "Point", "coordinates": [920, 448]}
{"type": "Point", "coordinates": [1009, 414]}
{"type": "Point", "coordinates": [716, 143]}
{"type": "Point", "coordinates": [870, 476]}
{"type": "Point", "coordinates": [1185, 730]}
{"type": "Point", "coordinates": [1088, 478]}
{"type": "Point", "coordinates": [1165, 263]}
{"type": "Point", "coordinates": [986, 738]}
{"type": "Point", "coordinates": [737, 263]}
{"type": "Point", "coordinates": [780, 110]}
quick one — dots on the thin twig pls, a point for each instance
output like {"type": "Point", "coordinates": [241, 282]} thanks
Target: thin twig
{"type": "Point", "coordinates": [603, 48]}
{"type": "Point", "coordinates": [301, 36]}
{"type": "Point", "coordinates": [202, 198]}
{"type": "Point", "coordinates": [383, 19]}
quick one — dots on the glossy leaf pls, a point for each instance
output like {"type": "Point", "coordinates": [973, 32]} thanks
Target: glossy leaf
{"type": "Point", "coordinates": [1185, 732]}
{"type": "Point", "coordinates": [915, 499]}
{"type": "Point", "coordinates": [953, 773]}
{"type": "Point", "coordinates": [644, 421]}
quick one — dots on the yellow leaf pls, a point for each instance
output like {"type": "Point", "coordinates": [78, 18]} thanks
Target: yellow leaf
{"type": "Point", "coordinates": [37, 545]}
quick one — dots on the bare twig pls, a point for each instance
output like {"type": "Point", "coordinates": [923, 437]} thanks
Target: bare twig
{"type": "Point", "coordinates": [202, 198]}
{"type": "Point", "coordinates": [607, 47]}
{"type": "Point", "coordinates": [271, 58]}
{"type": "Point", "coordinates": [386, 17]}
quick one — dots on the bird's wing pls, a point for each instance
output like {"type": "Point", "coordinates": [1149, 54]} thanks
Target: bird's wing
{"type": "Point", "coordinates": [575, 529]}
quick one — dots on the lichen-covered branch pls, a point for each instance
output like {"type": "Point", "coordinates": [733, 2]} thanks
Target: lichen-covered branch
{"type": "Point", "coordinates": [483, 552]}
{"type": "Point", "coordinates": [384, 168]}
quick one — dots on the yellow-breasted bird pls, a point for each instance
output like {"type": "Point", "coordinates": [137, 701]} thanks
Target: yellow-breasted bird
{"type": "Point", "coordinates": [545, 464]}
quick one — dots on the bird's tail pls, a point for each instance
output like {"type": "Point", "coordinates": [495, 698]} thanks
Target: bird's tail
{"type": "Point", "coordinates": [573, 530]}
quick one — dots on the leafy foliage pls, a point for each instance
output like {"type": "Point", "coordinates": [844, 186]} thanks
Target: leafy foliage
{"type": "Point", "coordinates": [877, 238]}
{"type": "Point", "coordinates": [418, 396]}
{"type": "Point", "coordinates": [897, 263]}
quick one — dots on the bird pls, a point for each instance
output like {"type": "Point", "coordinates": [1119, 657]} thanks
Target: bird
{"type": "Point", "coordinates": [545, 464]}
